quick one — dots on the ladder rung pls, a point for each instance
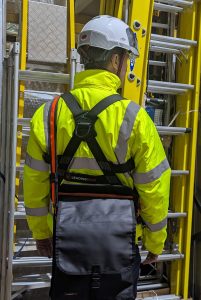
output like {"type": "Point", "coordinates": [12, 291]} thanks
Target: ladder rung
{"type": "Point", "coordinates": [24, 121]}
{"type": "Point", "coordinates": [152, 286]}
{"type": "Point", "coordinates": [165, 90]}
{"type": "Point", "coordinates": [169, 45]}
{"type": "Point", "coordinates": [181, 3]}
{"type": "Point", "coordinates": [44, 76]}
{"type": "Point", "coordinates": [34, 281]}
{"type": "Point", "coordinates": [43, 261]}
{"type": "Point", "coordinates": [172, 215]}
{"type": "Point", "coordinates": [180, 172]}
{"type": "Point", "coordinates": [165, 130]}
{"type": "Point", "coordinates": [171, 84]}
{"type": "Point", "coordinates": [20, 215]}
{"type": "Point", "coordinates": [165, 257]}
{"type": "Point", "coordinates": [36, 261]}
{"type": "Point", "coordinates": [160, 25]}
{"type": "Point", "coordinates": [173, 40]}
{"type": "Point", "coordinates": [164, 87]}
{"type": "Point", "coordinates": [163, 297]}
{"type": "Point", "coordinates": [157, 63]}
{"type": "Point", "coordinates": [164, 50]}
{"type": "Point", "coordinates": [167, 8]}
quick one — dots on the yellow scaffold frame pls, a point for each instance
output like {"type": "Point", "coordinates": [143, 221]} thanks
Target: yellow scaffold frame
{"type": "Point", "coordinates": [184, 148]}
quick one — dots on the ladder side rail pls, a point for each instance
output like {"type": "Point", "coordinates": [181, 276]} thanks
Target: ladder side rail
{"type": "Point", "coordinates": [192, 154]}
{"type": "Point", "coordinates": [5, 217]}
{"type": "Point", "coordinates": [12, 167]}
{"type": "Point", "coordinates": [183, 188]}
{"type": "Point", "coordinates": [2, 115]}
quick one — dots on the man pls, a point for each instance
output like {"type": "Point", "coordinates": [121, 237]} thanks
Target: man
{"type": "Point", "coordinates": [124, 131]}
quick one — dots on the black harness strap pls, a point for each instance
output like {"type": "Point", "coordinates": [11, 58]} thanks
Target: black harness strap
{"type": "Point", "coordinates": [84, 131]}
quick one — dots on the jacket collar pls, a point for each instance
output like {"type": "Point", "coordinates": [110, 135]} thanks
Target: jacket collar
{"type": "Point", "coordinates": [100, 79]}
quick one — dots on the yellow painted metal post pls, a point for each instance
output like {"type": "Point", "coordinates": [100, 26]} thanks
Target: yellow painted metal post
{"type": "Point", "coordinates": [23, 54]}
{"type": "Point", "coordinates": [70, 39]}
{"type": "Point", "coordinates": [185, 147]}
{"type": "Point", "coordinates": [70, 25]}
{"type": "Point", "coordinates": [143, 14]}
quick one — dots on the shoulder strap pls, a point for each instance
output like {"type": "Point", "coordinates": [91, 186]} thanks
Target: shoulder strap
{"type": "Point", "coordinates": [84, 131]}
{"type": "Point", "coordinates": [75, 108]}
{"type": "Point", "coordinates": [52, 148]}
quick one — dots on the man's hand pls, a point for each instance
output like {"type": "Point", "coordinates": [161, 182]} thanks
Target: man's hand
{"type": "Point", "coordinates": [44, 247]}
{"type": "Point", "coordinates": [151, 258]}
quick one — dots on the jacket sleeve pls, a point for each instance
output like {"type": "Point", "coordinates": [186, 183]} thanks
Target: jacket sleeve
{"type": "Point", "coordinates": [152, 181]}
{"type": "Point", "coordinates": [36, 179]}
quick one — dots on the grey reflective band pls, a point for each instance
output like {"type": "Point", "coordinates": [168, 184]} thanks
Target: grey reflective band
{"type": "Point", "coordinates": [37, 212]}
{"type": "Point", "coordinates": [46, 123]}
{"type": "Point", "coordinates": [125, 131]}
{"type": "Point", "coordinates": [35, 164]}
{"type": "Point", "coordinates": [158, 226]}
{"type": "Point", "coordinates": [143, 178]}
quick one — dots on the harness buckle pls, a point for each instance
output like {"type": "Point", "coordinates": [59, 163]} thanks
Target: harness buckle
{"type": "Point", "coordinates": [84, 127]}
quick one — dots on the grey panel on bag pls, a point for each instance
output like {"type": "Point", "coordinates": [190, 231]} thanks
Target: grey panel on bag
{"type": "Point", "coordinates": [47, 33]}
{"type": "Point", "coordinates": [94, 232]}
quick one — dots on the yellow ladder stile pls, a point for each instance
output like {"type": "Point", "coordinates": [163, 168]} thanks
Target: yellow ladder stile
{"type": "Point", "coordinates": [70, 27]}
{"type": "Point", "coordinates": [135, 90]}
{"type": "Point", "coordinates": [185, 146]}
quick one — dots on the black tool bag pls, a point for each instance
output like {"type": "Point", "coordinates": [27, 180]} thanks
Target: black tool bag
{"type": "Point", "coordinates": [95, 256]}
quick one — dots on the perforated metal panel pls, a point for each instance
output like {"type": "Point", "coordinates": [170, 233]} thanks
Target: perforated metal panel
{"type": "Point", "coordinates": [47, 33]}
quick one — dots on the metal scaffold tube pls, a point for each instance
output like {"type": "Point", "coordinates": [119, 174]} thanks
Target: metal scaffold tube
{"type": "Point", "coordinates": [7, 154]}
{"type": "Point", "coordinates": [12, 175]}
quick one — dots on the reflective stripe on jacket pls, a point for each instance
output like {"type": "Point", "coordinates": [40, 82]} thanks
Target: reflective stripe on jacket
{"type": "Point", "coordinates": [124, 131]}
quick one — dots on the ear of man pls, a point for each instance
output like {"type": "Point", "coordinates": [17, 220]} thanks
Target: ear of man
{"type": "Point", "coordinates": [113, 64]}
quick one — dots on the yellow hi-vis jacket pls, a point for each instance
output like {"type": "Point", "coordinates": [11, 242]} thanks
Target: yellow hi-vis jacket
{"type": "Point", "coordinates": [124, 130]}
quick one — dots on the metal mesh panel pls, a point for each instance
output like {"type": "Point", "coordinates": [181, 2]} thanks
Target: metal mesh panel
{"type": "Point", "coordinates": [47, 33]}
{"type": "Point", "coordinates": [32, 100]}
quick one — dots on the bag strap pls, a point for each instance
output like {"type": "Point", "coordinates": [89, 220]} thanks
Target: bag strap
{"type": "Point", "coordinates": [84, 131]}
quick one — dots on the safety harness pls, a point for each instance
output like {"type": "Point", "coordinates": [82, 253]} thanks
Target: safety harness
{"type": "Point", "coordinates": [84, 131]}
{"type": "Point", "coordinates": [85, 211]}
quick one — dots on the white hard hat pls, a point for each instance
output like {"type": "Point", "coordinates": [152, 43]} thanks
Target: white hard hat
{"type": "Point", "coordinates": [108, 32]}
